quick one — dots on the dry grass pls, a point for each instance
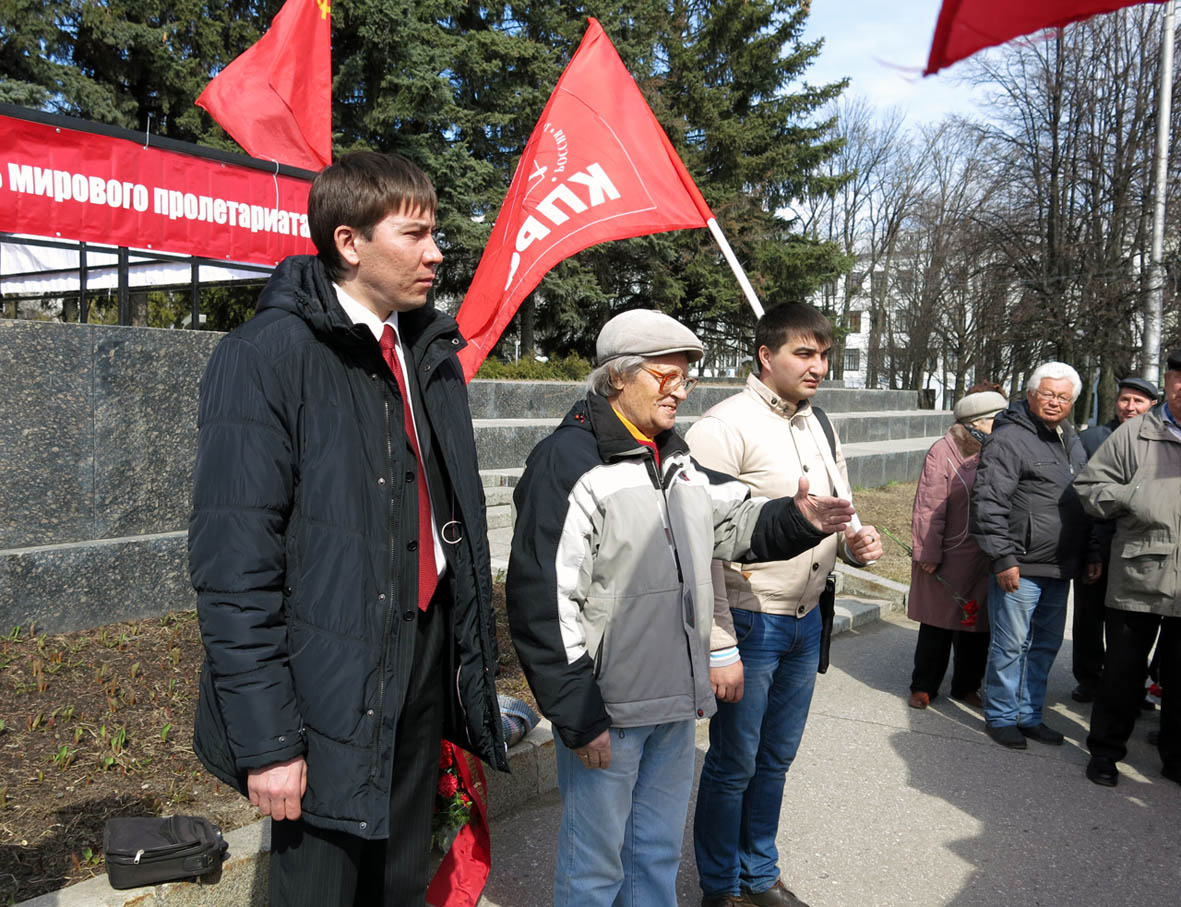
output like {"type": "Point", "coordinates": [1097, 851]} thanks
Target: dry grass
{"type": "Point", "coordinates": [889, 507]}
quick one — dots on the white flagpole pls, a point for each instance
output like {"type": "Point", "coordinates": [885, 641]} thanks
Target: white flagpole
{"type": "Point", "coordinates": [839, 488]}
{"type": "Point", "coordinates": [732, 261]}
{"type": "Point", "coordinates": [1154, 310]}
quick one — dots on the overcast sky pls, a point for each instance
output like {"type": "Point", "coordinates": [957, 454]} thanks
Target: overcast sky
{"type": "Point", "coordinates": [882, 45]}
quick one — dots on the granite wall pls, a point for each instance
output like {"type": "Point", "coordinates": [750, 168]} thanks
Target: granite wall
{"type": "Point", "coordinates": [97, 437]}
{"type": "Point", "coordinates": [97, 430]}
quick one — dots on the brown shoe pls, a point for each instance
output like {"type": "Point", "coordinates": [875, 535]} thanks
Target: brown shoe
{"type": "Point", "coordinates": [919, 700]}
{"type": "Point", "coordinates": [726, 900]}
{"type": "Point", "coordinates": [973, 699]}
{"type": "Point", "coordinates": [775, 896]}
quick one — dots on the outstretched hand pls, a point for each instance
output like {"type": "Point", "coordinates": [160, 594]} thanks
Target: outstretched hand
{"type": "Point", "coordinates": [826, 514]}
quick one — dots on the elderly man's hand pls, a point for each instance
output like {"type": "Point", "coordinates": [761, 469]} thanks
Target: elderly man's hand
{"type": "Point", "coordinates": [597, 753]}
{"type": "Point", "coordinates": [827, 514]}
{"type": "Point", "coordinates": [1093, 574]}
{"type": "Point", "coordinates": [1009, 580]}
{"type": "Point", "coordinates": [727, 682]}
{"type": "Point", "coordinates": [277, 789]}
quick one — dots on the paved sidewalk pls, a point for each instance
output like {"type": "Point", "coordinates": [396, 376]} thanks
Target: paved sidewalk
{"type": "Point", "coordinates": [887, 806]}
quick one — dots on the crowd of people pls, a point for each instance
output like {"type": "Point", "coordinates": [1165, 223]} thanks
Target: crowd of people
{"type": "Point", "coordinates": [1014, 497]}
{"type": "Point", "coordinates": [338, 546]}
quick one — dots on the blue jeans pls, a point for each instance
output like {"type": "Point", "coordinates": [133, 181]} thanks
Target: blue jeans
{"type": "Point", "coordinates": [1027, 627]}
{"type": "Point", "coordinates": [619, 843]}
{"type": "Point", "coordinates": [752, 743]}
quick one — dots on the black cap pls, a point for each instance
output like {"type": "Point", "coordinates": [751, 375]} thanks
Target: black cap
{"type": "Point", "coordinates": [1174, 360]}
{"type": "Point", "coordinates": [1143, 385]}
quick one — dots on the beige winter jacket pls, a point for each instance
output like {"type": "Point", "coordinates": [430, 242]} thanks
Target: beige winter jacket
{"type": "Point", "coordinates": [768, 444]}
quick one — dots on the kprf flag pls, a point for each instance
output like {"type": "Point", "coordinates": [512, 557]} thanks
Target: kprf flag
{"type": "Point", "coordinates": [275, 100]}
{"type": "Point", "coordinates": [966, 26]}
{"type": "Point", "coordinates": [597, 167]}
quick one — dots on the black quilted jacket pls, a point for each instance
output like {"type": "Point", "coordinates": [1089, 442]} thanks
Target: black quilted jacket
{"type": "Point", "coordinates": [300, 548]}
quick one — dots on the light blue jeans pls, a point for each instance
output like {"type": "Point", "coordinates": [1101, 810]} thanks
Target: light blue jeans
{"type": "Point", "coordinates": [619, 843]}
{"type": "Point", "coordinates": [1027, 627]}
{"type": "Point", "coordinates": [752, 743]}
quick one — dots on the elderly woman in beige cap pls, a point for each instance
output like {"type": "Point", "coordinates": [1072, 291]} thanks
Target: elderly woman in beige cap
{"type": "Point", "coordinates": [610, 602]}
{"type": "Point", "coordinates": [949, 572]}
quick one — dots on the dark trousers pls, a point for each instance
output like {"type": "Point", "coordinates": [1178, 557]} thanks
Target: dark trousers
{"type": "Point", "coordinates": [313, 867]}
{"type": "Point", "coordinates": [1129, 637]}
{"type": "Point", "coordinates": [1087, 630]}
{"type": "Point", "coordinates": [932, 652]}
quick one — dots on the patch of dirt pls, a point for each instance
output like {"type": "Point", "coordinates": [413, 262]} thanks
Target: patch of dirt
{"type": "Point", "coordinates": [889, 507]}
{"type": "Point", "coordinates": [99, 723]}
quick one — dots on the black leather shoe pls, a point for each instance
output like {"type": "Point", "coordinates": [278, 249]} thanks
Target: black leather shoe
{"type": "Point", "coordinates": [1102, 771]}
{"type": "Point", "coordinates": [1042, 733]}
{"type": "Point", "coordinates": [1083, 694]}
{"type": "Point", "coordinates": [1173, 773]}
{"type": "Point", "coordinates": [775, 896]}
{"type": "Point", "coordinates": [1006, 735]}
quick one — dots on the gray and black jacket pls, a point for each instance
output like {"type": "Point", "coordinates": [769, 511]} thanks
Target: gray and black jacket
{"type": "Point", "coordinates": [610, 599]}
{"type": "Point", "coordinates": [1025, 512]}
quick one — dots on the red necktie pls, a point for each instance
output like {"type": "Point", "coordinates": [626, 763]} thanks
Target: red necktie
{"type": "Point", "coordinates": [428, 574]}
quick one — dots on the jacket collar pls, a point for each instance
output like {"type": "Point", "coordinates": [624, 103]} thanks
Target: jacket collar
{"type": "Point", "coordinates": [1154, 427]}
{"type": "Point", "coordinates": [774, 402]}
{"type": "Point", "coordinates": [614, 440]}
{"type": "Point", "coordinates": [301, 285]}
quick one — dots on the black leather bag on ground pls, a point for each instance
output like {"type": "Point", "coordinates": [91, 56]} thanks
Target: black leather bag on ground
{"type": "Point", "coordinates": [148, 850]}
{"type": "Point", "coordinates": [828, 610]}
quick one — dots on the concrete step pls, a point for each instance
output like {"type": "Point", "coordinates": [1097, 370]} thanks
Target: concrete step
{"type": "Point", "coordinates": [496, 495]}
{"type": "Point", "coordinates": [505, 443]}
{"type": "Point", "coordinates": [499, 516]}
{"type": "Point", "coordinates": [492, 478]}
{"type": "Point", "coordinates": [551, 399]}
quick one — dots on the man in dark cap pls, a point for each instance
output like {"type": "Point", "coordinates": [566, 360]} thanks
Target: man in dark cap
{"type": "Point", "coordinates": [1134, 479]}
{"type": "Point", "coordinates": [1135, 396]}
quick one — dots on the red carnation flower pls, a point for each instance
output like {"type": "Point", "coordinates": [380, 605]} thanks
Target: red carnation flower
{"type": "Point", "coordinates": [970, 609]}
{"type": "Point", "coordinates": [448, 785]}
{"type": "Point", "coordinates": [445, 758]}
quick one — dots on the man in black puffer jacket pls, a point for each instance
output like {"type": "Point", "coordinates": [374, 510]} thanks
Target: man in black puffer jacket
{"type": "Point", "coordinates": [1026, 516]}
{"type": "Point", "coordinates": [344, 602]}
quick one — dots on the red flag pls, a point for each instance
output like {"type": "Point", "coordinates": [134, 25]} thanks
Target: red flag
{"type": "Point", "coordinates": [966, 26]}
{"type": "Point", "coordinates": [460, 878]}
{"type": "Point", "coordinates": [275, 100]}
{"type": "Point", "coordinates": [597, 167]}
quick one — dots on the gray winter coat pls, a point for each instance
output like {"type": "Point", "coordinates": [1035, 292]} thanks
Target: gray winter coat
{"type": "Point", "coordinates": [1135, 479]}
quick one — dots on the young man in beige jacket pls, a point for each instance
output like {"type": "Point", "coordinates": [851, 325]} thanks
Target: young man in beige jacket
{"type": "Point", "coordinates": [770, 437]}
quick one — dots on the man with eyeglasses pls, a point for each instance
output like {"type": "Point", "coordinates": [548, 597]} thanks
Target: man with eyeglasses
{"type": "Point", "coordinates": [767, 638]}
{"type": "Point", "coordinates": [611, 605]}
{"type": "Point", "coordinates": [1026, 517]}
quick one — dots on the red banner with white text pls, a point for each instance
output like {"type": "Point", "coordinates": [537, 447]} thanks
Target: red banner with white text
{"type": "Point", "coordinates": [76, 185]}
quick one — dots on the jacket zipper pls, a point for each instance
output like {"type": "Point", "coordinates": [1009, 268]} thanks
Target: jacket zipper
{"type": "Point", "coordinates": [666, 516]}
{"type": "Point", "coordinates": [389, 605]}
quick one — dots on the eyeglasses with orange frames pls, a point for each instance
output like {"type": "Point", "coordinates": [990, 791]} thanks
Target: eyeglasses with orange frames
{"type": "Point", "coordinates": [671, 382]}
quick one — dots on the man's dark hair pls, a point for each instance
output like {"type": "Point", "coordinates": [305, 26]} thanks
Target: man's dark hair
{"type": "Point", "coordinates": [785, 321]}
{"type": "Point", "coordinates": [360, 190]}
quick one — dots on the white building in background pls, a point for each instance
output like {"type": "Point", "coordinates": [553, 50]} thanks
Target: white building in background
{"type": "Point", "coordinates": [854, 320]}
